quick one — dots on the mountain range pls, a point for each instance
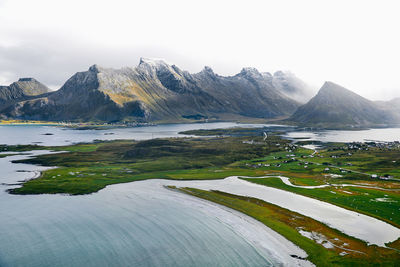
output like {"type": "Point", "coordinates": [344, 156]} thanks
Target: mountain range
{"type": "Point", "coordinates": [155, 91]}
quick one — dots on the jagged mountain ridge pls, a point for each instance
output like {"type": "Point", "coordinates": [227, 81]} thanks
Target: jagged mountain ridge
{"type": "Point", "coordinates": [157, 91]}
{"type": "Point", "coordinates": [335, 105]}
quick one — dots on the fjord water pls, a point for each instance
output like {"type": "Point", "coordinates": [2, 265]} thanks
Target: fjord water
{"type": "Point", "coordinates": [58, 136]}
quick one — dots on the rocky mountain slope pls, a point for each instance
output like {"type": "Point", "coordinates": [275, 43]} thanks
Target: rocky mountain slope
{"type": "Point", "coordinates": [335, 105]}
{"type": "Point", "coordinates": [22, 90]}
{"type": "Point", "coordinates": [157, 91]}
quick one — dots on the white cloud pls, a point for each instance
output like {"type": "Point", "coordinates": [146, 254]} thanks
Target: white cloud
{"type": "Point", "coordinates": [353, 43]}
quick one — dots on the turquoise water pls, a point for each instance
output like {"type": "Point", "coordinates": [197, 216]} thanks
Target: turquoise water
{"type": "Point", "coordinates": [117, 229]}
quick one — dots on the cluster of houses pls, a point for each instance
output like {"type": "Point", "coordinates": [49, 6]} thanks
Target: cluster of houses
{"type": "Point", "coordinates": [383, 177]}
{"type": "Point", "coordinates": [290, 147]}
{"type": "Point", "coordinates": [365, 146]}
{"type": "Point", "coordinates": [260, 165]}
{"type": "Point", "coordinates": [252, 142]}
{"type": "Point", "coordinates": [348, 148]}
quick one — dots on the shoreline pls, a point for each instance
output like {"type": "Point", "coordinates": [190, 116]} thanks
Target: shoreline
{"type": "Point", "coordinates": [355, 224]}
{"type": "Point", "coordinates": [263, 239]}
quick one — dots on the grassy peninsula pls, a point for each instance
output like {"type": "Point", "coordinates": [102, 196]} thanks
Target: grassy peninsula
{"type": "Point", "coordinates": [87, 168]}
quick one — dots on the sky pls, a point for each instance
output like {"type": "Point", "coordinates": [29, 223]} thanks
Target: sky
{"type": "Point", "coordinates": [353, 43]}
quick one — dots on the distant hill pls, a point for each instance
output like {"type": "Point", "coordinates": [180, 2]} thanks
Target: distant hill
{"type": "Point", "coordinates": [157, 91]}
{"type": "Point", "coordinates": [391, 105]}
{"type": "Point", "coordinates": [336, 106]}
{"type": "Point", "coordinates": [22, 90]}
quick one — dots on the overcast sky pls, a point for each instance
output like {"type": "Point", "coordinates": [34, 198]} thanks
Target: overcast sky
{"type": "Point", "coordinates": [353, 43]}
